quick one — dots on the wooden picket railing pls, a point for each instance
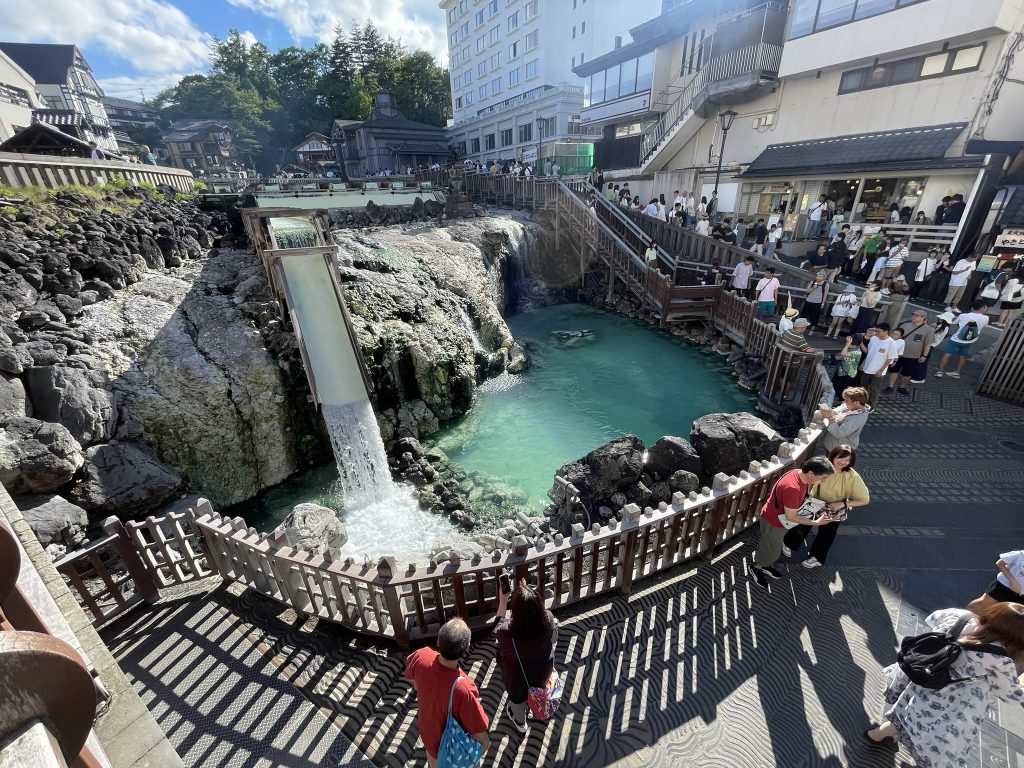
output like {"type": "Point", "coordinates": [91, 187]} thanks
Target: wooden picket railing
{"type": "Point", "coordinates": [407, 602]}
{"type": "Point", "coordinates": [1003, 376]}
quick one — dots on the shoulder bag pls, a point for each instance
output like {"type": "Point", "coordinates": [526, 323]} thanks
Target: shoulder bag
{"type": "Point", "coordinates": [458, 749]}
{"type": "Point", "coordinates": [543, 702]}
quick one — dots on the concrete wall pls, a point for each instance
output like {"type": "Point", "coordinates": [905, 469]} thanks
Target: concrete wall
{"type": "Point", "coordinates": [12, 115]}
{"type": "Point", "coordinates": [19, 170]}
{"type": "Point", "coordinates": [926, 25]}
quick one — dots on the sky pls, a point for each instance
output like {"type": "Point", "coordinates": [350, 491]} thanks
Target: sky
{"type": "Point", "coordinates": [139, 47]}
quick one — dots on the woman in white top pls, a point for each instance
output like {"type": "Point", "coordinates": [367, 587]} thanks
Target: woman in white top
{"type": "Point", "coordinates": [846, 305]}
{"type": "Point", "coordinates": [853, 245]}
{"type": "Point", "coordinates": [939, 727]}
{"type": "Point", "coordinates": [1012, 297]}
{"type": "Point", "coordinates": [702, 217]}
{"type": "Point", "coordinates": [866, 311]}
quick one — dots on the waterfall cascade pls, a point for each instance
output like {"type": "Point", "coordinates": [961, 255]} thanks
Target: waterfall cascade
{"type": "Point", "coordinates": [466, 321]}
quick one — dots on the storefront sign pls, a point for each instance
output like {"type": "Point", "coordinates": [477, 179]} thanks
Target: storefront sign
{"type": "Point", "coordinates": [791, 221]}
{"type": "Point", "coordinates": [1010, 238]}
{"type": "Point", "coordinates": [529, 155]}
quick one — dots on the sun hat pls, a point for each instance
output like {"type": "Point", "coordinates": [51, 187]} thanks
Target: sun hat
{"type": "Point", "coordinates": [947, 316]}
{"type": "Point", "coordinates": [850, 288]}
{"type": "Point", "coordinates": [801, 322]}
{"type": "Point", "coordinates": [791, 313]}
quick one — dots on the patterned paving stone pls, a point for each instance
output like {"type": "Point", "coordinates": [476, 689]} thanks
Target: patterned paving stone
{"type": "Point", "coordinates": [696, 668]}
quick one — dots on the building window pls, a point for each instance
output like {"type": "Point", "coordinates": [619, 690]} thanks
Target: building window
{"type": "Point", "coordinates": [513, 21]}
{"type": "Point", "coordinates": [492, 8]}
{"type": "Point", "coordinates": [583, 28]}
{"type": "Point", "coordinates": [495, 61]}
{"type": "Point", "coordinates": [632, 76]}
{"type": "Point", "coordinates": [458, 102]}
{"type": "Point", "coordinates": [489, 141]}
{"type": "Point", "coordinates": [911, 70]}
{"type": "Point", "coordinates": [525, 133]}
{"type": "Point", "coordinates": [469, 98]}
{"type": "Point", "coordinates": [494, 35]}
{"type": "Point", "coordinates": [531, 40]}
{"type": "Point", "coordinates": [481, 43]}
{"type": "Point", "coordinates": [495, 86]}
{"type": "Point", "coordinates": [474, 145]}
{"type": "Point", "coordinates": [531, 69]}
{"type": "Point", "coordinates": [506, 137]}
{"type": "Point", "coordinates": [482, 92]}
{"type": "Point", "coordinates": [547, 127]}
{"type": "Point", "coordinates": [810, 16]}
{"type": "Point", "coordinates": [479, 18]}
{"type": "Point", "coordinates": [573, 31]}
{"type": "Point", "coordinates": [513, 51]}
{"type": "Point", "coordinates": [451, 16]}
{"type": "Point", "coordinates": [481, 69]}
{"type": "Point", "coordinates": [573, 61]}
{"type": "Point", "coordinates": [513, 77]}
{"type": "Point", "coordinates": [530, 10]}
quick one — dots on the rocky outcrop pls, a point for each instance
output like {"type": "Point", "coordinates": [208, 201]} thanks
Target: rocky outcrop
{"type": "Point", "coordinates": [123, 479]}
{"type": "Point", "coordinates": [427, 305]}
{"type": "Point", "coordinates": [54, 520]}
{"type": "Point", "coordinates": [312, 528]}
{"type": "Point", "coordinates": [671, 454]}
{"type": "Point", "coordinates": [608, 476]}
{"type": "Point", "coordinates": [74, 397]}
{"type": "Point", "coordinates": [36, 456]}
{"type": "Point", "coordinates": [728, 442]}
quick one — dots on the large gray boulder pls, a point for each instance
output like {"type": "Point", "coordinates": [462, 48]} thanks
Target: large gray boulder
{"type": "Point", "coordinates": [54, 520]}
{"type": "Point", "coordinates": [313, 528]}
{"type": "Point", "coordinates": [728, 442]}
{"type": "Point", "coordinates": [123, 479]}
{"type": "Point", "coordinates": [615, 466]}
{"type": "Point", "coordinates": [12, 399]}
{"type": "Point", "coordinates": [671, 454]}
{"type": "Point", "coordinates": [37, 457]}
{"type": "Point", "coordinates": [74, 397]}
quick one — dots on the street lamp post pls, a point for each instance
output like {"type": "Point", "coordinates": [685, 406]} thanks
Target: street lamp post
{"type": "Point", "coordinates": [726, 119]}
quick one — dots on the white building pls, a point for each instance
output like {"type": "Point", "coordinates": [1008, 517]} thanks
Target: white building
{"type": "Point", "coordinates": [18, 97]}
{"type": "Point", "coordinates": [73, 101]}
{"type": "Point", "coordinates": [867, 101]}
{"type": "Point", "coordinates": [513, 87]}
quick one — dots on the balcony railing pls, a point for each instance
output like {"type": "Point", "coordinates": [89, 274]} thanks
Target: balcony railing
{"type": "Point", "coordinates": [761, 59]}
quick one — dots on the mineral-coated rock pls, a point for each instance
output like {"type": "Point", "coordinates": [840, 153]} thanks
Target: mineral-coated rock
{"type": "Point", "coordinates": [313, 528]}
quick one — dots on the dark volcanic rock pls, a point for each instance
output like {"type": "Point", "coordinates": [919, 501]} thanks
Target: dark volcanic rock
{"type": "Point", "coordinates": [53, 519]}
{"type": "Point", "coordinates": [615, 466]}
{"type": "Point", "coordinates": [671, 454]}
{"type": "Point", "coordinates": [728, 442]}
{"type": "Point", "coordinates": [37, 457]}
{"type": "Point", "coordinates": [123, 479]}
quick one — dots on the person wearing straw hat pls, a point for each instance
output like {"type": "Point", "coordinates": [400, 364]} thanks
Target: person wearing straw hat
{"type": "Point", "coordinates": [787, 319]}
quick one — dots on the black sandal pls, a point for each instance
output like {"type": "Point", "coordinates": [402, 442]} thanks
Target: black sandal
{"type": "Point", "coordinates": [888, 742]}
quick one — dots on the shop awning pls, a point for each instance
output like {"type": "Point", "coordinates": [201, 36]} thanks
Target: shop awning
{"type": "Point", "coordinates": [921, 148]}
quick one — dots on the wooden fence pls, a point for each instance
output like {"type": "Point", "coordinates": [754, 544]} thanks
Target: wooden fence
{"type": "Point", "coordinates": [407, 602]}
{"type": "Point", "coordinates": [1003, 376]}
{"type": "Point", "coordinates": [51, 171]}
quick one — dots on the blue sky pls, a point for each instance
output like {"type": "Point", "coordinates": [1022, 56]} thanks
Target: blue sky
{"type": "Point", "coordinates": [148, 45]}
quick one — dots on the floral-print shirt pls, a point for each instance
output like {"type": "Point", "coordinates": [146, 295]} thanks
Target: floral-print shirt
{"type": "Point", "coordinates": [940, 727]}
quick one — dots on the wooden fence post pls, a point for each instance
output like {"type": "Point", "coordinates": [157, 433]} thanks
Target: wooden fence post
{"type": "Point", "coordinates": [386, 569]}
{"type": "Point", "coordinates": [627, 548]}
{"type": "Point", "coordinates": [145, 584]}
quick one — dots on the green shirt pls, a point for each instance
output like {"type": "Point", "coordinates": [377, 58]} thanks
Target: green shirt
{"type": "Point", "coordinates": [872, 243]}
{"type": "Point", "coordinates": [841, 486]}
{"type": "Point", "coordinates": [850, 362]}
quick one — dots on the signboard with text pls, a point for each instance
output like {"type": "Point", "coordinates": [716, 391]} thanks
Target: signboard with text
{"type": "Point", "coordinates": [1010, 238]}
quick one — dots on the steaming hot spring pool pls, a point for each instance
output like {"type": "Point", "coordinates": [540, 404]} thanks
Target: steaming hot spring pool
{"type": "Point", "coordinates": [575, 396]}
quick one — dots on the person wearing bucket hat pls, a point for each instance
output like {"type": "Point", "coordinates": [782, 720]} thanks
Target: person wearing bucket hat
{"type": "Point", "coordinates": [786, 321]}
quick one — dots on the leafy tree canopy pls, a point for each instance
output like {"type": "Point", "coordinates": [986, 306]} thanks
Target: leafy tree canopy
{"type": "Point", "coordinates": [276, 99]}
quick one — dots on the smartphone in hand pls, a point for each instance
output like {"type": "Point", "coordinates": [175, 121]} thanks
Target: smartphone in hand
{"type": "Point", "coordinates": [505, 580]}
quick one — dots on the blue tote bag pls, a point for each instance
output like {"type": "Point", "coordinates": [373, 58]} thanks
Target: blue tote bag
{"type": "Point", "coordinates": [458, 749]}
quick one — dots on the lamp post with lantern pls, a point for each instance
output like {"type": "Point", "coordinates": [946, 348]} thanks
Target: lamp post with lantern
{"type": "Point", "coordinates": [725, 118]}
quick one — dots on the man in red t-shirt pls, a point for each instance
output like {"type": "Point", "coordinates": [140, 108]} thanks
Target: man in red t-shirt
{"type": "Point", "coordinates": [432, 674]}
{"type": "Point", "coordinates": [785, 499]}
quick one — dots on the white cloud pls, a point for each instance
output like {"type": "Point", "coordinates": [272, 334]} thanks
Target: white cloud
{"type": "Point", "coordinates": [248, 38]}
{"type": "Point", "coordinates": [129, 87]}
{"type": "Point", "coordinates": [418, 23]}
{"type": "Point", "coordinates": [152, 35]}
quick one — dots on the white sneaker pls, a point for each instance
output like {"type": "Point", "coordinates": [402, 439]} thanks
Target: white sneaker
{"type": "Point", "coordinates": [885, 292]}
{"type": "Point", "coordinates": [811, 562]}
{"type": "Point", "coordinates": [953, 375]}
{"type": "Point", "coordinates": [939, 374]}
{"type": "Point", "coordinates": [787, 551]}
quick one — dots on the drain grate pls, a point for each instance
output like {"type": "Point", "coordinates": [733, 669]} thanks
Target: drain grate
{"type": "Point", "coordinates": [1012, 445]}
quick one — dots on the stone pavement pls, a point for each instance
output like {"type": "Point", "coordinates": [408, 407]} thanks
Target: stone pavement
{"type": "Point", "coordinates": [697, 667]}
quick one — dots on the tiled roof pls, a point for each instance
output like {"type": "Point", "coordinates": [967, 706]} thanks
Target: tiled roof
{"type": "Point", "coordinates": [864, 150]}
{"type": "Point", "coordinates": [45, 62]}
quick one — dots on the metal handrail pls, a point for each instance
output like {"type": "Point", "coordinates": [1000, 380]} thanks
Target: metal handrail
{"type": "Point", "coordinates": [761, 57]}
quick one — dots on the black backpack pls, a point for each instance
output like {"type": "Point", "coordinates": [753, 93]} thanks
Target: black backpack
{"type": "Point", "coordinates": [927, 659]}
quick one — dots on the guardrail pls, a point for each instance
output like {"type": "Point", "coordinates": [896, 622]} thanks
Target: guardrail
{"type": "Point", "coordinates": [404, 603]}
{"type": "Point", "coordinates": [1003, 377]}
{"type": "Point", "coordinates": [52, 171]}
{"type": "Point", "coordinates": [760, 58]}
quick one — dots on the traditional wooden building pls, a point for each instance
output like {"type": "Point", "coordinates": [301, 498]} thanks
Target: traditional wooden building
{"type": "Point", "coordinates": [72, 100]}
{"type": "Point", "coordinates": [388, 141]}
{"type": "Point", "coordinates": [314, 153]}
{"type": "Point", "coordinates": [201, 146]}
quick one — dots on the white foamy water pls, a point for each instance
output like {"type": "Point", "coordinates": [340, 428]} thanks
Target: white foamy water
{"type": "Point", "coordinates": [382, 517]}
{"type": "Point", "coordinates": [477, 344]}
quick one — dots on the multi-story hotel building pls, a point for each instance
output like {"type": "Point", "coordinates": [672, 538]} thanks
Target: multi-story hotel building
{"type": "Point", "coordinates": [514, 93]}
{"type": "Point", "coordinates": [870, 102]}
